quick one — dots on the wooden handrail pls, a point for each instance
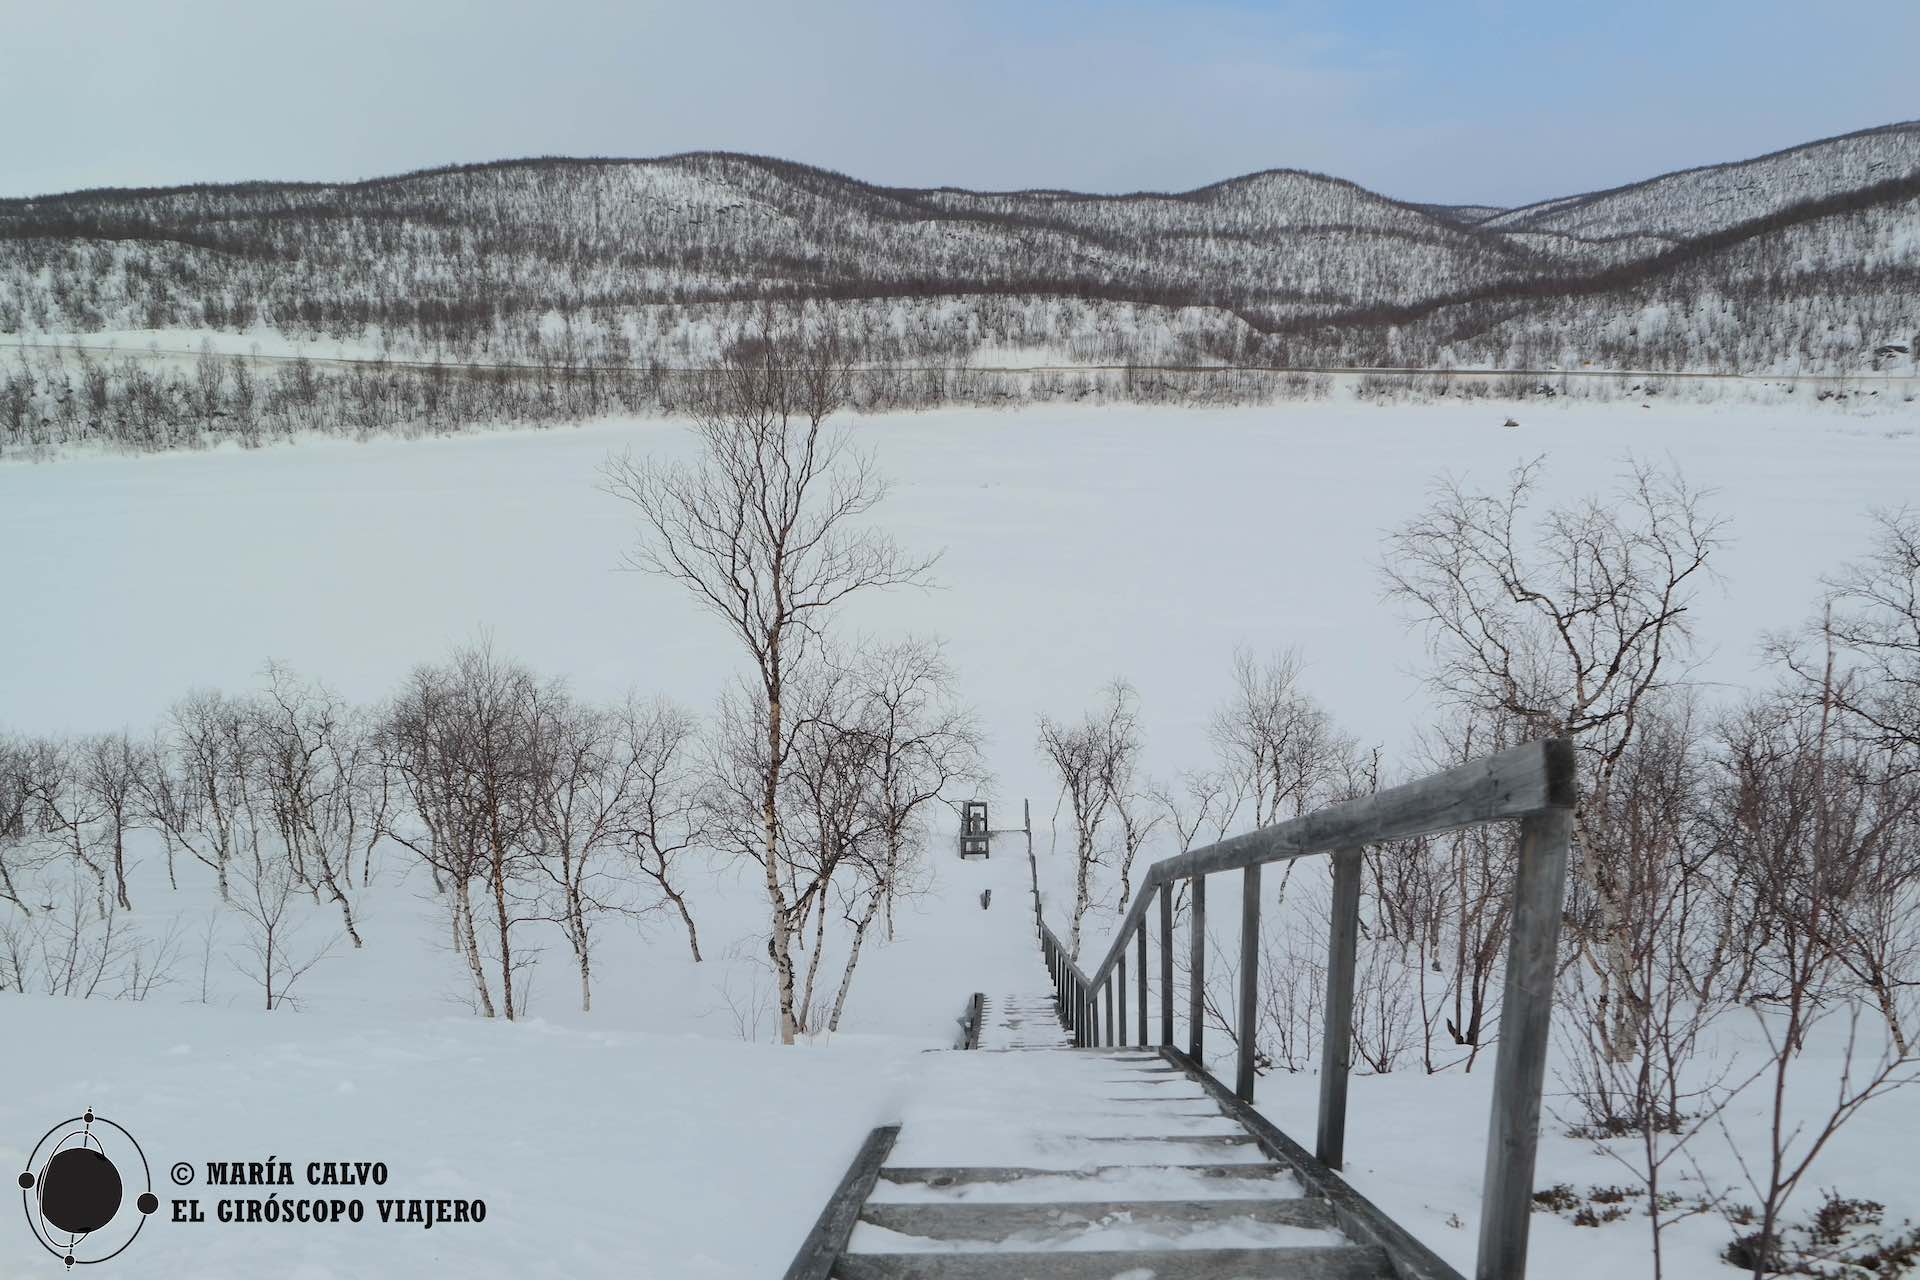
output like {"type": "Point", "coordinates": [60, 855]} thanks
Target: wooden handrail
{"type": "Point", "coordinates": [1516, 783]}
{"type": "Point", "coordinates": [1533, 784]}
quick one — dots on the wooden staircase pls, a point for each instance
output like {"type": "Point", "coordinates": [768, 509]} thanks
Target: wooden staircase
{"type": "Point", "coordinates": [1034, 1159]}
{"type": "Point", "coordinates": [1062, 1152]}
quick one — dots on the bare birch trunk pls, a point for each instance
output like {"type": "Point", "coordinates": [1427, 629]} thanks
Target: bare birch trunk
{"type": "Point", "coordinates": [463, 906]}
{"type": "Point", "coordinates": [586, 980]}
{"type": "Point", "coordinates": [853, 958]}
{"type": "Point", "coordinates": [680, 904]}
{"type": "Point", "coordinates": [1082, 892]}
{"type": "Point", "coordinates": [778, 941]}
{"type": "Point", "coordinates": [813, 964]}
{"type": "Point", "coordinates": [506, 945]}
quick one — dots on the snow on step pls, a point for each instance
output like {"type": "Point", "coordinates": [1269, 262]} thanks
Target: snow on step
{"type": "Point", "coordinates": [1339, 1262]}
{"type": "Point", "coordinates": [1118, 1230]}
{"type": "Point", "coordinates": [1062, 1163]}
{"type": "Point", "coordinates": [1060, 1109]}
{"type": "Point", "coordinates": [1025, 1021]}
{"type": "Point", "coordinates": [1040, 1186]}
{"type": "Point", "coordinates": [1087, 1223]}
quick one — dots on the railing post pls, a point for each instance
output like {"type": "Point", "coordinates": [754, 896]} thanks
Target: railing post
{"type": "Point", "coordinates": [1120, 977]}
{"type": "Point", "coordinates": [1197, 971]}
{"type": "Point", "coordinates": [1249, 979]}
{"type": "Point", "coordinates": [1166, 965]}
{"type": "Point", "coordinates": [1140, 957]}
{"type": "Point", "coordinates": [1107, 988]}
{"type": "Point", "coordinates": [1519, 1070]}
{"type": "Point", "coordinates": [1336, 1053]}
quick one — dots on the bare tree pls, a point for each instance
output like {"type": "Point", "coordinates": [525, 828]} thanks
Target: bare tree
{"type": "Point", "coordinates": [196, 793]}
{"type": "Point", "coordinates": [69, 948]}
{"type": "Point", "coordinates": [18, 828]}
{"type": "Point", "coordinates": [1275, 740]}
{"type": "Point", "coordinates": [1084, 756]}
{"type": "Point", "coordinates": [1201, 800]}
{"type": "Point", "coordinates": [916, 743]}
{"type": "Point", "coordinates": [1444, 900]}
{"type": "Point", "coordinates": [1802, 808]}
{"type": "Point", "coordinates": [765, 530]}
{"type": "Point", "coordinates": [577, 805]}
{"type": "Point", "coordinates": [64, 810]}
{"type": "Point", "coordinates": [112, 771]}
{"type": "Point", "coordinates": [831, 828]}
{"type": "Point", "coordinates": [1569, 629]}
{"type": "Point", "coordinates": [465, 739]}
{"type": "Point", "coordinates": [272, 955]}
{"type": "Point", "coordinates": [1133, 811]}
{"type": "Point", "coordinates": [665, 817]}
{"type": "Point", "coordinates": [1874, 619]}
{"type": "Point", "coordinates": [316, 773]}
{"type": "Point", "coordinates": [1656, 834]}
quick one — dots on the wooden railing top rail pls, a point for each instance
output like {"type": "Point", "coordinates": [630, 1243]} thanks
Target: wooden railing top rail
{"type": "Point", "coordinates": [1071, 967]}
{"type": "Point", "coordinates": [1516, 783]}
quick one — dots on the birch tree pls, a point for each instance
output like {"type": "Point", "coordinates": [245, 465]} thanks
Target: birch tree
{"type": "Point", "coordinates": [1874, 623]}
{"type": "Point", "coordinates": [665, 816]}
{"type": "Point", "coordinates": [924, 743]}
{"type": "Point", "coordinates": [315, 770]}
{"type": "Point", "coordinates": [196, 794]}
{"type": "Point", "coordinates": [21, 848]}
{"type": "Point", "coordinates": [578, 802]}
{"type": "Point", "coordinates": [1570, 627]}
{"type": "Point", "coordinates": [112, 770]}
{"type": "Point", "coordinates": [1086, 757]}
{"type": "Point", "coordinates": [465, 740]}
{"type": "Point", "coordinates": [765, 529]}
{"type": "Point", "coordinates": [916, 743]}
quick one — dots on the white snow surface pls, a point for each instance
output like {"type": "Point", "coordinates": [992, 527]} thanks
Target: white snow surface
{"type": "Point", "coordinates": [647, 1139]}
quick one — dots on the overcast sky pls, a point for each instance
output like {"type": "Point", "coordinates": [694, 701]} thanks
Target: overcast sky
{"type": "Point", "coordinates": [1466, 101]}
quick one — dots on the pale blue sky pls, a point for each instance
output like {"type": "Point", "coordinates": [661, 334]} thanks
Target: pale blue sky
{"type": "Point", "coordinates": [1467, 101]}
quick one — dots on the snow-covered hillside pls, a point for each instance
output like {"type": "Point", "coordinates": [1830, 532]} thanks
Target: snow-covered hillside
{"type": "Point", "coordinates": [632, 263]}
{"type": "Point", "coordinates": [1694, 202]}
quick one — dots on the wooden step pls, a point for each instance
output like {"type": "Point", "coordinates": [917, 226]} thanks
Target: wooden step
{"type": "Point", "coordinates": [939, 1176]}
{"type": "Point", "coordinates": [994, 1222]}
{"type": "Point", "coordinates": [1169, 1077]}
{"type": "Point", "coordinates": [1182, 1139]}
{"type": "Point", "coordinates": [1318, 1262]}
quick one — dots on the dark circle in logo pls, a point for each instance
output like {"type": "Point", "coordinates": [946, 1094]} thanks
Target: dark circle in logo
{"type": "Point", "coordinates": [147, 1202]}
{"type": "Point", "coordinates": [26, 1182]}
{"type": "Point", "coordinates": [79, 1190]}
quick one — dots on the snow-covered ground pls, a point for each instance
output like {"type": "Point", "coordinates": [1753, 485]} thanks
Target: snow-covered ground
{"type": "Point", "coordinates": [647, 1138]}
{"type": "Point", "coordinates": [1079, 545]}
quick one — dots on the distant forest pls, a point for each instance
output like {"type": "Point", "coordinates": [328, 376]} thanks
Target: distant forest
{"type": "Point", "coordinates": [608, 274]}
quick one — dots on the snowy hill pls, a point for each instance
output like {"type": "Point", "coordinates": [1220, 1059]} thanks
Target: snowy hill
{"type": "Point", "coordinates": [631, 262]}
{"type": "Point", "coordinates": [1693, 202]}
